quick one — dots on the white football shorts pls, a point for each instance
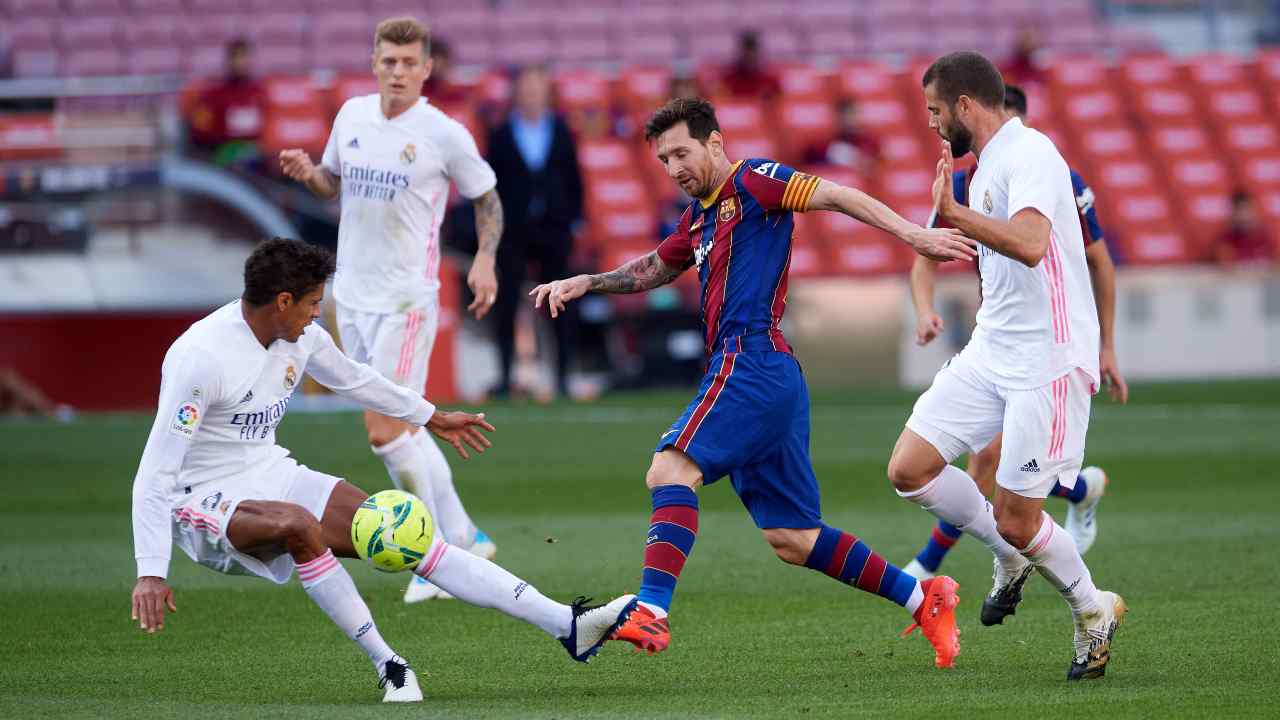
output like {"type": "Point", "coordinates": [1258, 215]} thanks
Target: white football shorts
{"type": "Point", "coordinates": [1044, 428]}
{"type": "Point", "coordinates": [397, 345]}
{"type": "Point", "coordinates": [200, 521]}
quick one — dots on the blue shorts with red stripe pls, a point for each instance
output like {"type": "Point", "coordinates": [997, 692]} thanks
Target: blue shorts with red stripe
{"type": "Point", "coordinates": [750, 421]}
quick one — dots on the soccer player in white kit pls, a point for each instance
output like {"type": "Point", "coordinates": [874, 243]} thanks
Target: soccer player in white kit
{"type": "Point", "coordinates": [213, 480]}
{"type": "Point", "coordinates": [1029, 370]}
{"type": "Point", "coordinates": [392, 157]}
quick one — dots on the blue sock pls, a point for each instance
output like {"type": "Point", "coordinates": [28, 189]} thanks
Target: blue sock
{"type": "Point", "coordinates": [1075, 494]}
{"type": "Point", "coordinates": [849, 560]}
{"type": "Point", "coordinates": [940, 543]}
{"type": "Point", "coordinates": [673, 527]}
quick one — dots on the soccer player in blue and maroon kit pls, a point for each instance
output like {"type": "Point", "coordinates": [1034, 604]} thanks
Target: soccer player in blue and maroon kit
{"type": "Point", "coordinates": [750, 418]}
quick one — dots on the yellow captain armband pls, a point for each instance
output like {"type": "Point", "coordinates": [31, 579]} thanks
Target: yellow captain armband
{"type": "Point", "coordinates": [800, 189]}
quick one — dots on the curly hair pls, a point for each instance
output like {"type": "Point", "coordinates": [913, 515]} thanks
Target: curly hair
{"type": "Point", "coordinates": [697, 113]}
{"type": "Point", "coordinates": [282, 265]}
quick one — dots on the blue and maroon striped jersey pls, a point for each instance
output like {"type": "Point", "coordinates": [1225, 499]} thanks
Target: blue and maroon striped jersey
{"type": "Point", "coordinates": [740, 241]}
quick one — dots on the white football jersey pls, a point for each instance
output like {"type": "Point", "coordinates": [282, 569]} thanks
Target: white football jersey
{"type": "Point", "coordinates": [395, 186]}
{"type": "Point", "coordinates": [1035, 324]}
{"type": "Point", "coordinates": [222, 394]}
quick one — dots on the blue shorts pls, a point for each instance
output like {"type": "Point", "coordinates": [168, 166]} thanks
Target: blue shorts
{"type": "Point", "coordinates": [750, 421]}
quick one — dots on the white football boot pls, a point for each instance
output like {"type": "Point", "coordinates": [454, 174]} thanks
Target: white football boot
{"type": "Point", "coordinates": [1094, 633]}
{"type": "Point", "coordinates": [916, 570]}
{"type": "Point", "coordinates": [400, 682]}
{"type": "Point", "coordinates": [593, 624]}
{"type": "Point", "coordinates": [1082, 521]}
{"type": "Point", "coordinates": [483, 546]}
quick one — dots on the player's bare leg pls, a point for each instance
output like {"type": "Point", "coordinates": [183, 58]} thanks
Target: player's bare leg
{"type": "Point", "coordinates": [1023, 522]}
{"type": "Point", "coordinates": [416, 464]}
{"type": "Point", "coordinates": [920, 474]}
{"type": "Point", "coordinates": [267, 528]}
{"type": "Point", "coordinates": [673, 480]}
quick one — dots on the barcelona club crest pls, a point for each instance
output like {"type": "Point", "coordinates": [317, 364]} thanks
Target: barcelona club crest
{"type": "Point", "coordinates": [408, 154]}
{"type": "Point", "coordinates": [290, 377]}
{"type": "Point", "coordinates": [728, 208]}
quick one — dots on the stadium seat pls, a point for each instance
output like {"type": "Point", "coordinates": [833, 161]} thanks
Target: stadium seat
{"type": "Point", "coordinates": [742, 146]}
{"type": "Point", "coordinates": [804, 82]}
{"type": "Point", "coordinates": [641, 89]}
{"type": "Point", "coordinates": [348, 86]}
{"type": "Point", "coordinates": [34, 8]}
{"type": "Point", "coordinates": [87, 33]}
{"type": "Point", "coordinates": [94, 62]}
{"type": "Point", "coordinates": [1181, 139]}
{"type": "Point", "coordinates": [154, 59]}
{"type": "Point", "coordinates": [292, 92]}
{"type": "Point", "coordinates": [605, 158]}
{"type": "Point", "coordinates": [306, 128]}
{"type": "Point", "coordinates": [804, 123]}
{"type": "Point", "coordinates": [35, 63]}
{"type": "Point", "coordinates": [739, 116]}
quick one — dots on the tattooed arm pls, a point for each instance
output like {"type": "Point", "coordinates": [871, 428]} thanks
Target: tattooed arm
{"type": "Point", "coordinates": [482, 278]}
{"type": "Point", "coordinates": [643, 273]}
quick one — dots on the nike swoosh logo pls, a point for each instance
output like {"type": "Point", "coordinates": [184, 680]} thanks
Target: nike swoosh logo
{"type": "Point", "coordinates": [665, 434]}
{"type": "Point", "coordinates": [695, 226]}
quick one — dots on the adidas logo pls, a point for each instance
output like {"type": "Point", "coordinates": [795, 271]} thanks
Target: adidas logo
{"type": "Point", "coordinates": [247, 397]}
{"type": "Point", "coordinates": [1031, 466]}
{"type": "Point", "coordinates": [355, 143]}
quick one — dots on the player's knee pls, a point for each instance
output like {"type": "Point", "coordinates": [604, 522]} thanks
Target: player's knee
{"type": "Point", "coordinates": [379, 435]}
{"type": "Point", "coordinates": [672, 468]}
{"type": "Point", "coordinates": [787, 546]}
{"type": "Point", "coordinates": [906, 474]}
{"type": "Point", "coordinates": [298, 528]}
{"type": "Point", "coordinates": [1015, 530]}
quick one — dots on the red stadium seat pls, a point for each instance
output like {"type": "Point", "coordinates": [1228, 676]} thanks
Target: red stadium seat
{"type": "Point", "coordinates": [1162, 105]}
{"type": "Point", "coordinates": [1157, 244]}
{"type": "Point", "coordinates": [741, 146]}
{"type": "Point", "coordinates": [738, 116]}
{"type": "Point", "coordinates": [346, 87]}
{"type": "Point", "coordinates": [1184, 139]}
{"type": "Point", "coordinates": [641, 89]}
{"type": "Point", "coordinates": [291, 93]}
{"type": "Point", "coordinates": [306, 128]}
{"type": "Point", "coordinates": [1147, 71]}
{"type": "Point", "coordinates": [605, 157]}
{"type": "Point", "coordinates": [804, 82]}
{"type": "Point", "coordinates": [804, 123]}
{"type": "Point", "coordinates": [582, 89]}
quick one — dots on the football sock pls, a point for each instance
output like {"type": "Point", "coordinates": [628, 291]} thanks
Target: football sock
{"type": "Point", "coordinates": [953, 497]}
{"type": "Point", "coordinates": [479, 582]}
{"type": "Point", "coordinates": [451, 517]}
{"type": "Point", "coordinates": [1075, 494]}
{"type": "Point", "coordinates": [410, 470]}
{"type": "Point", "coordinates": [329, 586]}
{"type": "Point", "coordinates": [940, 543]}
{"type": "Point", "coordinates": [673, 528]}
{"type": "Point", "coordinates": [849, 560]}
{"type": "Point", "coordinates": [1055, 556]}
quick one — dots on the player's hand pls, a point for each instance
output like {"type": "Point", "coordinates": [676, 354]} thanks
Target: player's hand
{"type": "Point", "coordinates": [943, 198]}
{"type": "Point", "coordinates": [928, 326]}
{"type": "Point", "coordinates": [461, 429]}
{"type": "Point", "coordinates": [297, 164]}
{"type": "Point", "coordinates": [483, 283]}
{"type": "Point", "coordinates": [1109, 369]}
{"type": "Point", "coordinates": [150, 597]}
{"type": "Point", "coordinates": [557, 293]}
{"type": "Point", "coordinates": [942, 244]}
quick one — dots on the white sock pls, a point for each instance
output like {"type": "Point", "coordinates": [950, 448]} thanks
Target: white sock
{"type": "Point", "coordinates": [916, 599]}
{"type": "Point", "coordinates": [329, 585]}
{"type": "Point", "coordinates": [451, 517]}
{"type": "Point", "coordinates": [410, 470]}
{"type": "Point", "coordinates": [1055, 555]}
{"type": "Point", "coordinates": [658, 612]}
{"type": "Point", "coordinates": [479, 582]}
{"type": "Point", "coordinates": [953, 497]}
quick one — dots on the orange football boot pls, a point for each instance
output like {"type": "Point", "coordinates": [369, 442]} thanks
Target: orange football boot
{"type": "Point", "coordinates": [936, 618]}
{"type": "Point", "coordinates": [644, 630]}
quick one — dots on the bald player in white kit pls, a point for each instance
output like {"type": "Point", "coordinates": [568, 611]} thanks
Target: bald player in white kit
{"type": "Point", "coordinates": [392, 157]}
{"type": "Point", "coordinates": [1031, 368]}
{"type": "Point", "coordinates": [213, 480]}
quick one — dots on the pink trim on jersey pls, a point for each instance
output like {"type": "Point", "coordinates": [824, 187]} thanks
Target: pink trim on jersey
{"type": "Point", "coordinates": [1057, 293]}
{"type": "Point", "coordinates": [406, 347]}
{"type": "Point", "coordinates": [432, 265]}
{"type": "Point", "coordinates": [1058, 434]}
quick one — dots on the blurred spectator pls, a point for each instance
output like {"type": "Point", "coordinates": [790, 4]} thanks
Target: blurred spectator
{"type": "Point", "coordinates": [852, 147]}
{"type": "Point", "coordinates": [1245, 240]}
{"type": "Point", "coordinates": [19, 398]}
{"type": "Point", "coordinates": [747, 77]}
{"type": "Point", "coordinates": [683, 86]}
{"type": "Point", "coordinates": [534, 157]}
{"type": "Point", "coordinates": [1023, 67]}
{"type": "Point", "coordinates": [438, 88]}
{"type": "Point", "coordinates": [227, 118]}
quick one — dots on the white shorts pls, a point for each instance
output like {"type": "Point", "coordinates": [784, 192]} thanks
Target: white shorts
{"type": "Point", "coordinates": [1044, 428]}
{"type": "Point", "coordinates": [200, 522]}
{"type": "Point", "coordinates": [397, 345]}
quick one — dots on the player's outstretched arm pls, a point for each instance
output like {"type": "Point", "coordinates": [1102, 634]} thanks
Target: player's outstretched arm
{"type": "Point", "coordinates": [644, 273]}
{"type": "Point", "coordinates": [929, 324]}
{"type": "Point", "coordinates": [1024, 237]}
{"type": "Point", "coordinates": [482, 279]}
{"type": "Point", "coordinates": [460, 430]}
{"type": "Point", "coordinates": [941, 244]}
{"type": "Point", "coordinates": [297, 165]}
{"type": "Point", "coordinates": [1103, 273]}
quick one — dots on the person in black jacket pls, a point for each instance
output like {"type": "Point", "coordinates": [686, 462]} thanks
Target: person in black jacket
{"type": "Point", "coordinates": [536, 162]}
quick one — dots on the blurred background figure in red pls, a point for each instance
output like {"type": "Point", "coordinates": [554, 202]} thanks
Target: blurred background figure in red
{"type": "Point", "coordinates": [1245, 240]}
{"type": "Point", "coordinates": [748, 76]}
{"type": "Point", "coordinates": [227, 118]}
{"type": "Point", "coordinates": [852, 146]}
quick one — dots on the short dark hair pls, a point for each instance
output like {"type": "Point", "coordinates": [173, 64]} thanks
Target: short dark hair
{"type": "Point", "coordinates": [281, 265]}
{"type": "Point", "coordinates": [697, 113]}
{"type": "Point", "coordinates": [1015, 99]}
{"type": "Point", "coordinates": [966, 73]}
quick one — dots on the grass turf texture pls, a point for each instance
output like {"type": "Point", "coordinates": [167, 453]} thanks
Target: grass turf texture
{"type": "Point", "coordinates": [1188, 530]}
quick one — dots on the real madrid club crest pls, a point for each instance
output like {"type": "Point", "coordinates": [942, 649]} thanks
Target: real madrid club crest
{"type": "Point", "coordinates": [408, 154]}
{"type": "Point", "coordinates": [728, 208]}
{"type": "Point", "coordinates": [986, 202]}
{"type": "Point", "coordinates": [290, 377]}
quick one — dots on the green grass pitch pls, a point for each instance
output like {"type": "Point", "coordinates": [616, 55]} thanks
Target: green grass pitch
{"type": "Point", "coordinates": [1188, 536]}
